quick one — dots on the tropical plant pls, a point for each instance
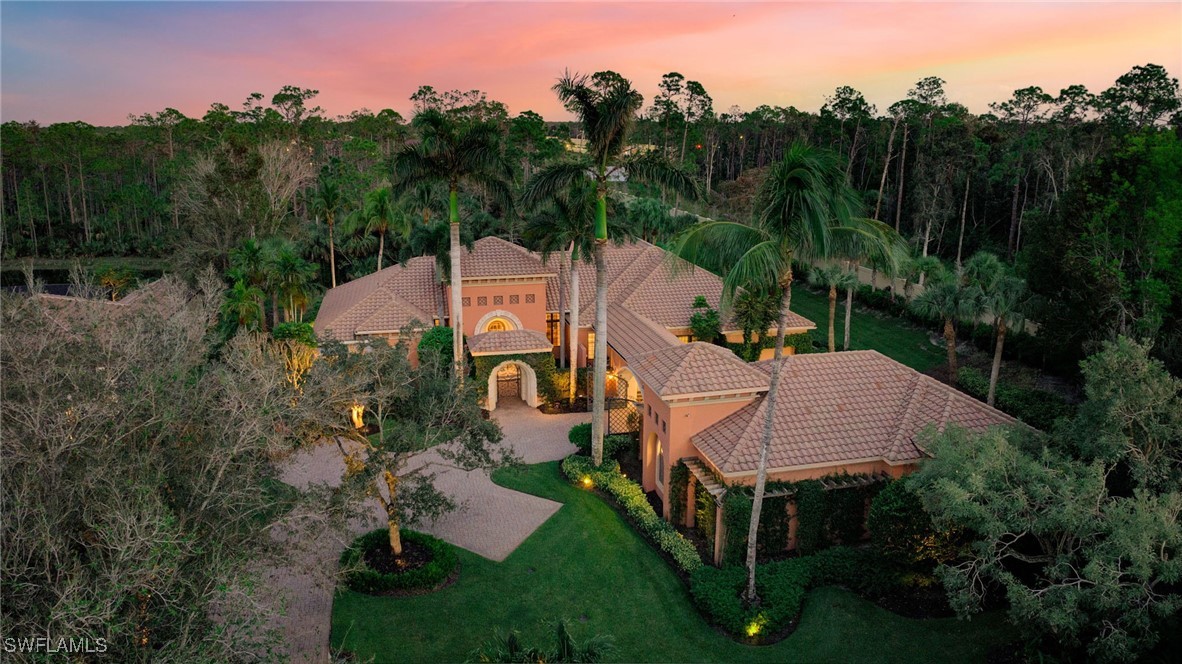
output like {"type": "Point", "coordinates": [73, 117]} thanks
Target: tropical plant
{"type": "Point", "coordinates": [605, 105]}
{"type": "Point", "coordinates": [946, 298]}
{"type": "Point", "coordinates": [510, 649]}
{"type": "Point", "coordinates": [1003, 298]}
{"type": "Point", "coordinates": [705, 323]}
{"type": "Point", "coordinates": [381, 215]}
{"type": "Point", "coordinates": [454, 151]}
{"type": "Point", "coordinates": [831, 278]}
{"type": "Point", "coordinates": [805, 201]}
{"type": "Point", "coordinates": [326, 204]}
{"type": "Point", "coordinates": [755, 311]}
{"type": "Point", "coordinates": [243, 307]}
{"type": "Point", "coordinates": [293, 278]}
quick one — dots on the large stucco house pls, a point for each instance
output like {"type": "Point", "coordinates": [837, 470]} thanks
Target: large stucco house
{"type": "Point", "coordinates": [856, 413]}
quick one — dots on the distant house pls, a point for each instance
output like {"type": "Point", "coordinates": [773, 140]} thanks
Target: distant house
{"type": "Point", "coordinates": [855, 413]}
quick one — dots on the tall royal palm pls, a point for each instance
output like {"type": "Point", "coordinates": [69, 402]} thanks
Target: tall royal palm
{"type": "Point", "coordinates": [802, 205]}
{"type": "Point", "coordinates": [606, 106]}
{"type": "Point", "coordinates": [454, 151]}
{"type": "Point", "coordinates": [566, 224]}
{"type": "Point", "coordinates": [326, 203]}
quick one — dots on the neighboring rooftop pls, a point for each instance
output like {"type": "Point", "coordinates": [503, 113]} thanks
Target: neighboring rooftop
{"type": "Point", "coordinates": [384, 301]}
{"type": "Point", "coordinates": [840, 408]}
{"type": "Point", "coordinates": [698, 368]}
{"type": "Point", "coordinates": [509, 341]}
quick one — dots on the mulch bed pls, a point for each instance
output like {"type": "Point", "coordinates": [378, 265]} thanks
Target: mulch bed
{"type": "Point", "coordinates": [414, 556]}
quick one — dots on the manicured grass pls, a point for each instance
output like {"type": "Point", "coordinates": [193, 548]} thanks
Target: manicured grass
{"type": "Point", "coordinates": [894, 337]}
{"type": "Point", "coordinates": [586, 565]}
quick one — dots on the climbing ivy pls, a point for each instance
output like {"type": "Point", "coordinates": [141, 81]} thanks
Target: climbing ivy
{"type": "Point", "coordinates": [678, 482]}
{"type": "Point", "coordinates": [549, 387]}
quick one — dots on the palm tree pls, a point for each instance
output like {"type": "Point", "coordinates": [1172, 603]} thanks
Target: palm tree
{"type": "Point", "coordinates": [381, 214]}
{"type": "Point", "coordinates": [326, 203]}
{"type": "Point", "coordinates": [567, 224]}
{"type": "Point", "coordinates": [455, 152]}
{"type": "Point", "coordinates": [884, 249]}
{"type": "Point", "coordinates": [805, 201]}
{"type": "Point", "coordinates": [243, 306]}
{"type": "Point", "coordinates": [833, 277]}
{"type": "Point", "coordinates": [606, 106]}
{"type": "Point", "coordinates": [946, 298]}
{"type": "Point", "coordinates": [293, 276]}
{"type": "Point", "coordinates": [755, 311]}
{"type": "Point", "coordinates": [1004, 297]}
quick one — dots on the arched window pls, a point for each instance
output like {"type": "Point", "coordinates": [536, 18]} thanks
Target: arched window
{"type": "Point", "coordinates": [660, 463]}
{"type": "Point", "coordinates": [498, 325]}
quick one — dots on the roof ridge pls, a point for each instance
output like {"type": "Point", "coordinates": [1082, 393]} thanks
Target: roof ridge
{"type": "Point", "coordinates": [916, 389]}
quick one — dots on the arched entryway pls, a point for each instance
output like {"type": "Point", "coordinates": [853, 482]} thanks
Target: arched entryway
{"type": "Point", "coordinates": [628, 385]}
{"type": "Point", "coordinates": [513, 377]}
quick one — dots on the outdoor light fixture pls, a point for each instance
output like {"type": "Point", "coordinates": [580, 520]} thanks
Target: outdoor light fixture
{"type": "Point", "coordinates": [356, 411]}
{"type": "Point", "coordinates": [587, 481]}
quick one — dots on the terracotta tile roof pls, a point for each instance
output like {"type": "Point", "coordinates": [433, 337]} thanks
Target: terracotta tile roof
{"type": "Point", "coordinates": [842, 407]}
{"type": "Point", "coordinates": [494, 257]}
{"type": "Point", "coordinates": [509, 341]}
{"type": "Point", "coordinates": [697, 368]}
{"type": "Point", "coordinates": [650, 282]}
{"type": "Point", "coordinates": [381, 302]}
{"type": "Point", "coordinates": [633, 336]}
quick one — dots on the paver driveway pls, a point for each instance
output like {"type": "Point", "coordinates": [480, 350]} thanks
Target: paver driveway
{"type": "Point", "coordinates": [492, 521]}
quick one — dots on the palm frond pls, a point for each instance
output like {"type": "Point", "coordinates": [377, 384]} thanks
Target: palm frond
{"type": "Point", "coordinates": [552, 181]}
{"type": "Point", "coordinates": [653, 169]}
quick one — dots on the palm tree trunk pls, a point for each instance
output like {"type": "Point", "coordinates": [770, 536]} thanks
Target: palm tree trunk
{"type": "Point", "coordinates": [562, 311]}
{"type": "Point", "coordinates": [996, 372]}
{"type": "Point", "coordinates": [832, 316]}
{"type": "Point", "coordinates": [950, 343]}
{"type": "Point", "coordinates": [332, 253]}
{"type": "Point", "coordinates": [574, 323]}
{"type": "Point", "coordinates": [765, 440]}
{"type": "Point", "coordinates": [381, 248]}
{"type": "Point", "coordinates": [457, 314]}
{"type": "Point", "coordinates": [849, 307]}
{"type": "Point", "coordinates": [597, 410]}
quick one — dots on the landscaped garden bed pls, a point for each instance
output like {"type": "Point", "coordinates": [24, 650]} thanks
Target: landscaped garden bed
{"type": "Point", "coordinates": [426, 564]}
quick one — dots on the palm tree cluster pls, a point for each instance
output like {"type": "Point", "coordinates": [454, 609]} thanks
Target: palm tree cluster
{"type": "Point", "coordinates": [259, 270]}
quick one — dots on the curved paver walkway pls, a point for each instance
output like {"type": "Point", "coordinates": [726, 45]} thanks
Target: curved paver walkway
{"type": "Point", "coordinates": [492, 521]}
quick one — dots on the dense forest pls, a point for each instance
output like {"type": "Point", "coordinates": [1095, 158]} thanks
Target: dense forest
{"type": "Point", "coordinates": [1080, 190]}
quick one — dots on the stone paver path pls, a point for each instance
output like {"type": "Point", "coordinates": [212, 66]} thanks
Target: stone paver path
{"type": "Point", "coordinates": [492, 521]}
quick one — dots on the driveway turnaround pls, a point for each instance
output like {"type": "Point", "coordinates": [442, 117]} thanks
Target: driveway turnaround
{"type": "Point", "coordinates": [491, 521]}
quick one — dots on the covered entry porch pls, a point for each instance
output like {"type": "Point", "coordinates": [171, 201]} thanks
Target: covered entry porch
{"type": "Point", "coordinates": [511, 364]}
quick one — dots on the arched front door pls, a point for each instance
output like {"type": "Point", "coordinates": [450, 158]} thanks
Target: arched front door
{"type": "Point", "coordinates": [516, 379]}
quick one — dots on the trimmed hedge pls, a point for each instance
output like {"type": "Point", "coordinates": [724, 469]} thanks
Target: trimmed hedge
{"type": "Point", "coordinates": [678, 487]}
{"type": "Point", "coordinates": [782, 586]}
{"type": "Point", "coordinates": [631, 499]}
{"type": "Point", "coordinates": [1038, 408]}
{"type": "Point", "coordinates": [580, 437]}
{"type": "Point", "coordinates": [365, 580]}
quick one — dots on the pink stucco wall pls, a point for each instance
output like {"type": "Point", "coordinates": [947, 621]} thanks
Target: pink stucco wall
{"type": "Point", "coordinates": [532, 315]}
{"type": "Point", "coordinates": [673, 426]}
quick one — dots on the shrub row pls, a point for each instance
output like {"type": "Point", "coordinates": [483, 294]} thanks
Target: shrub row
{"type": "Point", "coordinates": [1038, 408]}
{"type": "Point", "coordinates": [782, 586]}
{"type": "Point", "coordinates": [363, 579]}
{"type": "Point", "coordinates": [630, 497]}
{"type": "Point", "coordinates": [580, 437]}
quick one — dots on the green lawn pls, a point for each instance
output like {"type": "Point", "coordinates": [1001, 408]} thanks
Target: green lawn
{"type": "Point", "coordinates": [894, 337]}
{"type": "Point", "coordinates": [585, 564]}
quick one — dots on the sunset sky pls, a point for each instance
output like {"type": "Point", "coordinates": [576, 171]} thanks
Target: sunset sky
{"type": "Point", "coordinates": [98, 62]}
